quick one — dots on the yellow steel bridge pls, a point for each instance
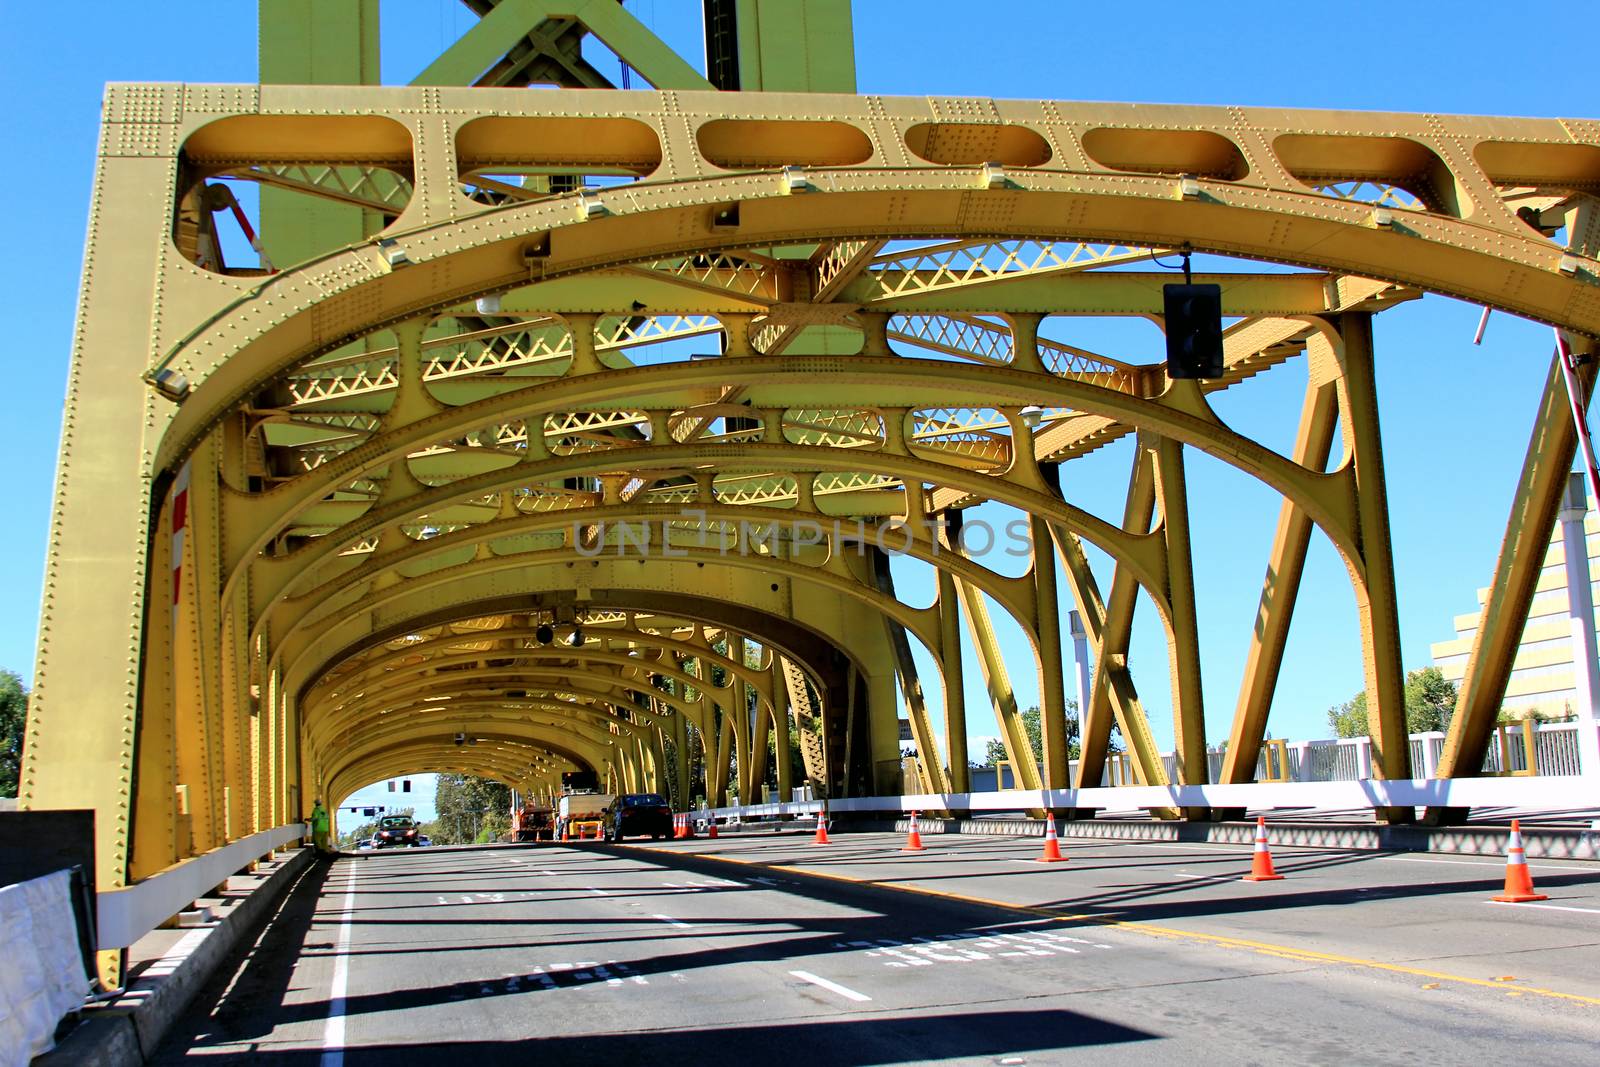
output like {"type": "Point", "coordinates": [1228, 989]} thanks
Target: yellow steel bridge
{"type": "Point", "coordinates": [431, 488]}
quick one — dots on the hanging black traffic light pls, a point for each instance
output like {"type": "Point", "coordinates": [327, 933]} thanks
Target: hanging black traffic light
{"type": "Point", "coordinates": [1194, 330]}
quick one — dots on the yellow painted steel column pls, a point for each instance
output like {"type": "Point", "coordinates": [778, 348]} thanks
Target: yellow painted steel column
{"type": "Point", "coordinates": [1013, 734]}
{"type": "Point", "coordinates": [1183, 635]}
{"type": "Point", "coordinates": [1318, 420]}
{"type": "Point", "coordinates": [155, 805]}
{"type": "Point", "coordinates": [953, 677]}
{"type": "Point", "coordinates": [1111, 651]}
{"type": "Point", "coordinates": [721, 760]}
{"type": "Point", "coordinates": [1551, 449]}
{"type": "Point", "coordinates": [1047, 632]}
{"type": "Point", "coordinates": [928, 762]}
{"type": "Point", "coordinates": [760, 734]}
{"type": "Point", "coordinates": [1375, 595]}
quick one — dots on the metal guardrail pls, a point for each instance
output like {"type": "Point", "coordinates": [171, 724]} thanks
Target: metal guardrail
{"type": "Point", "coordinates": [1544, 791]}
{"type": "Point", "coordinates": [127, 914]}
{"type": "Point", "coordinates": [1553, 748]}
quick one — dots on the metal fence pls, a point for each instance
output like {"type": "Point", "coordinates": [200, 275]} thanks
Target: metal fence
{"type": "Point", "coordinates": [1553, 748]}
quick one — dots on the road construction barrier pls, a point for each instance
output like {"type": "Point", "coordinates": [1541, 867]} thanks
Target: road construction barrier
{"type": "Point", "coordinates": [1052, 844]}
{"type": "Point", "coordinates": [913, 837]}
{"type": "Point", "coordinates": [1261, 860]}
{"type": "Point", "coordinates": [1519, 883]}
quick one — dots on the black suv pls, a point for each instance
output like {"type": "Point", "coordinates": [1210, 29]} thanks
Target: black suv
{"type": "Point", "coordinates": [637, 814]}
{"type": "Point", "coordinates": [395, 831]}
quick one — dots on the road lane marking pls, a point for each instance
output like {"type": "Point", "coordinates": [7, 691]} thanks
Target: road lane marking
{"type": "Point", "coordinates": [832, 987]}
{"type": "Point", "coordinates": [1163, 932]}
{"type": "Point", "coordinates": [1490, 863]}
{"type": "Point", "coordinates": [1547, 907]}
{"type": "Point", "coordinates": [599, 892]}
{"type": "Point", "coordinates": [333, 1029]}
{"type": "Point", "coordinates": [669, 920]}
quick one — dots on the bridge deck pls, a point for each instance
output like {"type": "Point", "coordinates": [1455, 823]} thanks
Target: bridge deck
{"type": "Point", "coordinates": [665, 954]}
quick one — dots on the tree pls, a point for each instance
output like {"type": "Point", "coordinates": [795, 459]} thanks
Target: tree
{"type": "Point", "coordinates": [469, 807]}
{"type": "Point", "coordinates": [13, 721]}
{"type": "Point", "coordinates": [1034, 724]}
{"type": "Point", "coordinates": [1350, 718]}
{"type": "Point", "coordinates": [1430, 700]}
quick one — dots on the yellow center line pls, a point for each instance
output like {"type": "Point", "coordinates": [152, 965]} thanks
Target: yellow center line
{"type": "Point", "coordinates": [1152, 930]}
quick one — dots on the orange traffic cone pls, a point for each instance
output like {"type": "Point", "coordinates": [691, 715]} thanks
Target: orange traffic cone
{"type": "Point", "coordinates": [822, 828]}
{"type": "Point", "coordinates": [913, 838]}
{"type": "Point", "coordinates": [711, 827]}
{"type": "Point", "coordinates": [1519, 883]}
{"type": "Point", "coordinates": [1261, 863]}
{"type": "Point", "coordinates": [1052, 845]}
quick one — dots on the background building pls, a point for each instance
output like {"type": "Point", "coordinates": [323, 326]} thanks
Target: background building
{"type": "Point", "coordinates": [1542, 680]}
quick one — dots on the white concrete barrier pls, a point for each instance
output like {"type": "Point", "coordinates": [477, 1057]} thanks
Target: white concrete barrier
{"type": "Point", "coordinates": [1551, 792]}
{"type": "Point", "coordinates": [42, 978]}
{"type": "Point", "coordinates": [126, 915]}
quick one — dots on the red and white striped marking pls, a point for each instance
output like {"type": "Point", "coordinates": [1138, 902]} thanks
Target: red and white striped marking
{"type": "Point", "coordinates": [180, 524]}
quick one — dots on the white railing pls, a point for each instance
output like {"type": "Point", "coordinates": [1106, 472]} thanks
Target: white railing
{"type": "Point", "coordinates": [1542, 792]}
{"type": "Point", "coordinates": [1349, 759]}
{"type": "Point", "coordinates": [125, 915]}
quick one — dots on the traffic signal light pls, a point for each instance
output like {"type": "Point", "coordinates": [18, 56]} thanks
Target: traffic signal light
{"type": "Point", "coordinates": [1194, 330]}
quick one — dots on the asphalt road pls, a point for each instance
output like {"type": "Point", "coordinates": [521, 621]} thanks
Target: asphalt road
{"type": "Point", "coordinates": [673, 954]}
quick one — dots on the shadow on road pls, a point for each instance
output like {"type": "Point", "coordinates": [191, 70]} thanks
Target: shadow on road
{"type": "Point", "coordinates": [857, 1042]}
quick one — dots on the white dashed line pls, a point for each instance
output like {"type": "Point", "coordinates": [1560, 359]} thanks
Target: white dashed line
{"type": "Point", "coordinates": [832, 987]}
{"type": "Point", "coordinates": [1547, 907]}
{"type": "Point", "coordinates": [1488, 863]}
{"type": "Point", "coordinates": [669, 920]}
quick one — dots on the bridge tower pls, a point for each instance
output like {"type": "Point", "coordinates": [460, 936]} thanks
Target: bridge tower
{"type": "Point", "coordinates": [577, 428]}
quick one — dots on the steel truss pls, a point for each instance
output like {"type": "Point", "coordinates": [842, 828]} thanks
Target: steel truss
{"type": "Point", "coordinates": [678, 418]}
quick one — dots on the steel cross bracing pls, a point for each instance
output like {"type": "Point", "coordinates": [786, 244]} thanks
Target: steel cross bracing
{"type": "Point", "coordinates": [679, 418]}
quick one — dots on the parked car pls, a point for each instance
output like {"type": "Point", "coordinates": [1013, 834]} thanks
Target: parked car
{"type": "Point", "coordinates": [424, 841]}
{"type": "Point", "coordinates": [395, 831]}
{"type": "Point", "coordinates": [637, 814]}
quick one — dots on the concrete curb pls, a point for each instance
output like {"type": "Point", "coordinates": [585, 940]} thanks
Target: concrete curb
{"type": "Point", "coordinates": [120, 1036]}
{"type": "Point", "coordinates": [1541, 843]}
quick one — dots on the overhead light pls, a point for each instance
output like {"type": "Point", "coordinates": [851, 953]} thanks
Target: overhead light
{"type": "Point", "coordinates": [393, 254]}
{"type": "Point", "coordinates": [544, 634]}
{"type": "Point", "coordinates": [795, 180]}
{"type": "Point", "coordinates": [1032, 416]}
{"type": "Point", "coordinates": [1189, 187]}
{"type": "Point", "coordinates": [576, 640]}
{"type": "Point", "coordinates": [591, 207]}
{"type": "Point", "coordinates": [170, 384]}
{"type": "Point", "coordinates": [1382, 216]}
{"type": "Point", "coordinates": [993, 176]}
{"type": "Point", "coordinates": [461, 739]}
{"type": "Point", "coordinates": [489, 305]}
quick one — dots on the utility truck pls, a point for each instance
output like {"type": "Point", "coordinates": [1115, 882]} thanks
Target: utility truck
{"type": "Point", "coordinates": [531, 822]}
{"type": "Point", "coordinates": [578, 815]}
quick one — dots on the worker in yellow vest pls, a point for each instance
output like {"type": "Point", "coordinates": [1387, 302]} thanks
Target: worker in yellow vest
{"type": "Point", "coordinates": [319, 826]}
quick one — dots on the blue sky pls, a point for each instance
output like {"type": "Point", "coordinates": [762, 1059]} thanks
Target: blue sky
{"type": "Point", "coordinates": [1455, 417]}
